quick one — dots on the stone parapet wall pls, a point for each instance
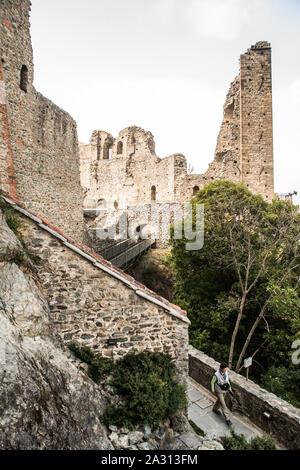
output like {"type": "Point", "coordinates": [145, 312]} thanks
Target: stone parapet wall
{"type": "Point", "coordinates": [252, 400]}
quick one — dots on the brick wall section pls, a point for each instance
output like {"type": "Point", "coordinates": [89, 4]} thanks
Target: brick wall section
{"type": "Point", "coordinates": [252, 401]}
{"type": "Point", "coordinates": [89, 305]}
{"type": "Point", "coordinates": [44, 146]}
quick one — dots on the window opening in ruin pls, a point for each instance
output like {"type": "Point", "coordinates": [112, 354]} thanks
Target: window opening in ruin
{"type": "Point", "coordinates": [116, 205]}
{"type": "Point", "coordinates": [195, 190]}
{"type": "Point", "coordinates": [24, 78]}
{"type": "Point", "coordinates": [153, 193]}
{"type": "Point", "coordinates": [98, 146]}
{"type": "Point", "coordinates": [120, 148]}
{"type": "Point", "coordinates": [107, 152]}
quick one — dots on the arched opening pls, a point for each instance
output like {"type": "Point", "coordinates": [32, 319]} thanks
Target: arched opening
{"type": "Point", "coordinates": [153, 193]}
{"type": "Point", "coordinates": [119, 147]}
{"type": "Point", "coordinates": [24, 78]}
{"type": "Point", "coordinates": [107, 150]}
{"type": "Point", "coordinates": [195, 190]}
{"type": "Point", "coordinates": [116, 205]}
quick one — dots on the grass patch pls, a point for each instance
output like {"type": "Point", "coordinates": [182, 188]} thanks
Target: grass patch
{"type": "Point", "coordinates": [197, 429]}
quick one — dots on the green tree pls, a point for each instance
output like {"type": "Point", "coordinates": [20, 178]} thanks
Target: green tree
{"type": "Point", "coordinates": [246, 277]}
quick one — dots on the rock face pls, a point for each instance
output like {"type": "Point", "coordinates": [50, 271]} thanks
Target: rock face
{"type": "Point", "coordinates": [45, 401]}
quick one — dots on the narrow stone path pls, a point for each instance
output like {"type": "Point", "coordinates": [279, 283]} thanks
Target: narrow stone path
{"type": "Point", "coordinates": [200, 407]}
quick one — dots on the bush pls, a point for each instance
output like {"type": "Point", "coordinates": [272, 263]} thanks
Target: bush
{"type": "Point", "coordinates": [146, 382]}
{"type": "Point", "coordinates": [98, 366]}
{"type": "Point", "coordinates": [239, 442]}
{"type": "Point", "coordinates": [13, 221]}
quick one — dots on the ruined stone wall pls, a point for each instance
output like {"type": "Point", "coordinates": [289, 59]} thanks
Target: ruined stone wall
{"type": "Point", "coordinates": [90, 306]}
{"type": "Point", "coordinates": [252, 401]}
{"type": "Point", "coordinates": [244, 150]}
{"type": "Point", "coordinates": [130, 173]}
{"type": "Point", "coordinates": [38, 141]}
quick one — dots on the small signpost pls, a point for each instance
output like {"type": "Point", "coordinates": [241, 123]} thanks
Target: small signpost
{"type": "Point", "coordinates": [247, 364]}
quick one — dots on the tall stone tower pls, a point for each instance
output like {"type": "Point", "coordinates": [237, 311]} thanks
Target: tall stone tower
{"type": "Point", "coordinates": [244, 151]}
{"type": "Point", "coordinates": [256, 128]}
{"type": "Point", "coordinates": [39, 156]}
{"type": "Point", "coordinates": [16, 66]}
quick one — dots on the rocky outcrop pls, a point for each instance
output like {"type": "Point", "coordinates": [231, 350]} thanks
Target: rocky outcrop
{"type": "Point", "coordinates": [46, 399]}
{"type": "Point", "coordinates": [46, 402]}
{"type": "Point", "coordinates": [175, 435]}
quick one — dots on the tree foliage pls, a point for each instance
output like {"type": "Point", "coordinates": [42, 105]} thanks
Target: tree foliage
{"type": "Point", "coordinates": [241, 290]}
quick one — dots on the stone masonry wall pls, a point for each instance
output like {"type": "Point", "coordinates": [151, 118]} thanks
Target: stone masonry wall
{"type": "Point", "coordinates": [252, 401]}
{"type": "Point", "coordinates": [126, 171]}
{"type": "Point", "coordinates": [89, 306]}
{"type": "Point", "coordinates": [38, 140]}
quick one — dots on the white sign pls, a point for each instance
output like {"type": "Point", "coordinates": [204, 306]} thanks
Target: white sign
{"type": "Point", "coordinates": [248, 362]}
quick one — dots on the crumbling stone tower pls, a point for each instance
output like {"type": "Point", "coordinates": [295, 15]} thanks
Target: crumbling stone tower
{"type": "Point", "coordinates": [244, 151]}
{"type": "Point", "coordinates": [256, 131]}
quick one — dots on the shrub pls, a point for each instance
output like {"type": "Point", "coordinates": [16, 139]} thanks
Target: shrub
{"type": "Point", "coordinates": [283, 382]}
{"type": "Point", "coordinates": [13, 221]}
{"type": "Point", "coordinates": [239, 442]}
{"type": "Point", "coordinates": [98, 366]}
{"type": "Point", "coordinates": [146, 382]}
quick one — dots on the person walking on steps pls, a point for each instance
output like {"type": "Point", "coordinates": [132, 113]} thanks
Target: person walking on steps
{"type": "Point", "coordinates": [220, 385]}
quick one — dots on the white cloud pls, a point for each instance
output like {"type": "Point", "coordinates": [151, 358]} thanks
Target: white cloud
{"type": "Point", "coordinates": [223, 19]}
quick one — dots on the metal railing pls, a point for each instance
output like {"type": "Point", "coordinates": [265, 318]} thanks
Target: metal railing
{"type": "Point", "coordinates": [130, 253]}
{"type": "Point", "coordinates": [116, 248]}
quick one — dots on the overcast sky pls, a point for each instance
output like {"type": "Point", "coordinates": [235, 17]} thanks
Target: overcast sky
{"type": "Point", "coordinates": [166, 66]}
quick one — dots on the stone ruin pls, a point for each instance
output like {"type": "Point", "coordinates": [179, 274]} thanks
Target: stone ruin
{"type": "Point", "coordinates": [122, 172]}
